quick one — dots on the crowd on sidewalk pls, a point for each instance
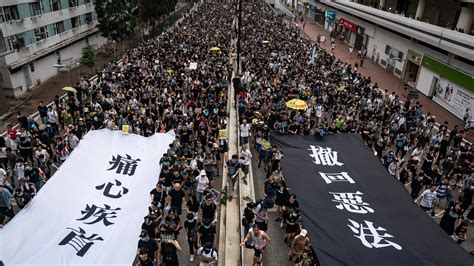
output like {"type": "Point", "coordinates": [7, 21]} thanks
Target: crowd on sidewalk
{"type": "Point", "coordinates": [280, 64]}
{"type": "Point", "coordinates": [153, 89]}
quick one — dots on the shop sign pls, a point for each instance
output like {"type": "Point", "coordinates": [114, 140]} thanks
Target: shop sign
{"type": "Point", "coordinates": [351, 26]}
{"type": "Point", "coordinates": [331, 15]}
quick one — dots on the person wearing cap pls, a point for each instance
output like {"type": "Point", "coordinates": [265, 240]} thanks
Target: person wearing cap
{"type": "Point", "coordinates": [233, 166]}
{"type": "Point", "coordinates": [202, 183]}
{"type": "Point", "coordinates": [297, 246]}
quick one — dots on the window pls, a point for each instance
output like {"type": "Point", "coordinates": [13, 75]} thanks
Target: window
{"type": "Point", "coordinates": [87, 1]}
{"type": "Point", "coordinates": [73, 3]}
{"type": "Point", "coordinates": [75, 22]}
{"type": "Point", "coordinates": [16, 42]}
{"type": "Point", "coordinates": [2, 16]}
{"type": "Point", "coordinates": [55, 5]}
{"type": "Point", "coordinates": [58, 27]}
{"type": "Point", "coordinates": [88, 17]}
{"type": "Point", "coordinates": [41, 33]}
{"type": "Point", "coordinates": [10, 13]}
{"type": "Point", "coordinates": [36, 9]}
{"type": "Point", "coordinates": [3, 44]}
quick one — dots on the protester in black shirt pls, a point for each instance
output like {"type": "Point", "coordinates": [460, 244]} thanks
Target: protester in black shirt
{"type": "Point", "coordinates": [168, 250]}
{"type": "Point", "coordinates": [177, 195]}
{"type": "Point", "coordinates": [149, 244]}
{"type": "Point", "coordinates": [208, 210]}
{"type": "Point", "coordinates": [177, 178]}
{"type": "Point", "coordinates": [207, 232]}
{"type": "Point", "coordinates": [166, 178]}
{"type": "Point", "coordinates": [143, 259]}
{"type": "Point", "coordinates": [158, 195]}
{"type": "Point", "coordinates": [191, 226]}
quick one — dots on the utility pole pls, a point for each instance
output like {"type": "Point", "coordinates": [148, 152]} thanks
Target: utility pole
{"type": "Point", "coordinates": [140, 26]}
{"type": "Point", "coordinates": [239, 35]}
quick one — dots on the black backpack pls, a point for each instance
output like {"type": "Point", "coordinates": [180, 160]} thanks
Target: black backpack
{"type": "Point", "coordinates": [168, 252]}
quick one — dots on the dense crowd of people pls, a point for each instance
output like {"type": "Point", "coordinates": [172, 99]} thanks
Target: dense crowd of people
{"type": "Point", "coordinates": [280, 63]}
{"type": "Point", "coordinates": [152, 89]}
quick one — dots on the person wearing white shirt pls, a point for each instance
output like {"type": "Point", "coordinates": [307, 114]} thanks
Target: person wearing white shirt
{"type": "Point", "coordinates": [53, 118]}
{"type": "Point", "coordinates": [40, 150]}
{"type": "Point", "coordinates": [244, 132]}
{"type": "Point", "coordinates": [202, 183]}
{"type": "Point", "coordinates": [73, 140]}
{"type": "Point", "coordinates": [245, 158]}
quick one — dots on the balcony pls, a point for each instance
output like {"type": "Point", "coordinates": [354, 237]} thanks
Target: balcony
{"type": "Point", "coordinates": [36, 50]}
{"type": "Point", "coordinates": [18, 26]}
{"type": "Point", "coordinates": [449, 40]}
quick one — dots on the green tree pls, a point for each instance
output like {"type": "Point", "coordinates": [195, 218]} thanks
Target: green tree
{"type": "Point", "coordinates": [88, 58]}
{"type": "Point", "coordinates": [153, 10]}
{"type": "Point", "coordinates": [117, 18]}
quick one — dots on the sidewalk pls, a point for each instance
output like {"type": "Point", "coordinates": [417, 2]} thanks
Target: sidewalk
{"type": "Point", "coordinates": [384, 79]}
{"type": "Point", "coordinates": [53, 86]}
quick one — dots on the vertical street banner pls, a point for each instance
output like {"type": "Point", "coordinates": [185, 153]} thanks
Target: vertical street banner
{"type": "Point", "coordinates": [90, 212]}
{"type": "Point", "coordinates": [355, 212]}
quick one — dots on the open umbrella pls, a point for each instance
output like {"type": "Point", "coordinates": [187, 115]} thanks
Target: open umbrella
{"type": "Point", "coordinates": [297, 104]}
{"type": "Point", "coordinates": [215, 49]}
{"type": "Point", "coordinates": [71, 89]}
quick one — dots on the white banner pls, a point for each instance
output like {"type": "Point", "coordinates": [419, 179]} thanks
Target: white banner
{"type": "Point", "coordinates": [92, 209]}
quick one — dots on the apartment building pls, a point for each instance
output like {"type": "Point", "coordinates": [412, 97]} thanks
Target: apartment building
{"type": "Point", "coordinates": [431, 53]}
{"type": "Point", "coordinates": [38, 35]}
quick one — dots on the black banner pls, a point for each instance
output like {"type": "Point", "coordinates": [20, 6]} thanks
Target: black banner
{"type": "Point", "coordinates": [356, 213]}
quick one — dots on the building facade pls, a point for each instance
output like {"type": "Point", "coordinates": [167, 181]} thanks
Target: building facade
{"type": "Point", "coordinates": [38, 35]}
{"type": "Point", "coordinates": [437, 61]}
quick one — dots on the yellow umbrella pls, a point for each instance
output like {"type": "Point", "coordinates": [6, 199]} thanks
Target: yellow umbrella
{"type": "Point", "coordinates": [71, 89]}
{"type": "Point", "coordinates": [215, 49]}
{"type": "Point", "coordinates": [297, 104]}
